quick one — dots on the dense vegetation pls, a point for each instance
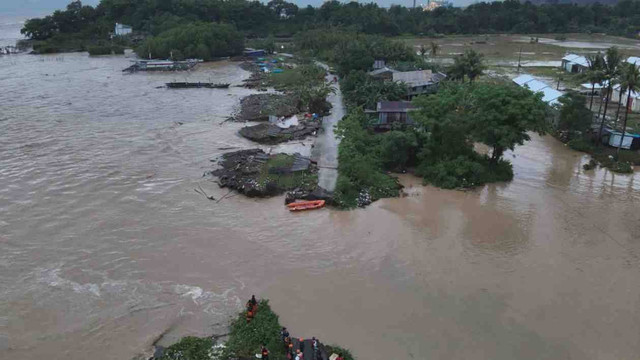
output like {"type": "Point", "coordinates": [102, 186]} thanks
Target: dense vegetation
{"type": "Point", "coordinates": [441, 144]}
{"type": "Point", "coordinates": [80, 25]}
{"type": "Point", "coordinates": [196, 40]}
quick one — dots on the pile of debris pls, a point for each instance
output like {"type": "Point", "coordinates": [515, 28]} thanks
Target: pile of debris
{"type": "Point", "coordinates": [258, 107]}
{"type": "Point", "coordinates": [281, 130]}
{"type": "Point", "coordinates": [255, 173]}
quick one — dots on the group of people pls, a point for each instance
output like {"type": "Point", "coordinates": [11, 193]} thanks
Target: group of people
{"type": "Point", "coordinates": [292, 354]}
{"type": "Point", "coordinates": [299, 352]}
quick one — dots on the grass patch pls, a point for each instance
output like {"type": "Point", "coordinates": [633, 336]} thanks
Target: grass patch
{"type": "Point", "coordinates": [606, 156]}
{"type": "Point", "coordinates": [274, 173]}
{"type": "Point", "coordinates": [246, 339]}
{"type": "Point", "coordinates": [288, 79]}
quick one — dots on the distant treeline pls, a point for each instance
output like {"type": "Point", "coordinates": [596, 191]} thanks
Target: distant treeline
{"type": "Point", "coordinates": [284, 19]}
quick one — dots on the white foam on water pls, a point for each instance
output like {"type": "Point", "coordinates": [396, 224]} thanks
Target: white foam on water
{"type": "Point", "coordinates": [52, 278]}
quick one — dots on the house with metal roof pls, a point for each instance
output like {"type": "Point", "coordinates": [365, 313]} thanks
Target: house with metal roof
{"type": "Point", "coordinates": [419, 82]}
{"type": "Point", "coordinates": [549, 94]}
{"type": "Point", "coordinates": [392, 113]}
{"type": "Point", "coordinates": [383, 73]}
{"type": "Point", "coordinates": [536, 85]}
{"type": "Point", "coordinates": [523, 79]}
{"type": "Point", "coordinates": [575, 63]}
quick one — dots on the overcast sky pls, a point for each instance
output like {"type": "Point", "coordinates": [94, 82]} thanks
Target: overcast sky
{"type": "Point", "coordinates": [39, 7]}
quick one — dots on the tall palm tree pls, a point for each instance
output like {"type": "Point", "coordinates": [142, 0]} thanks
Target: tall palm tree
{"type": "Point", "coordinates": [611, 71]}
{"type": "Point", "coordinates": [631, 81]}
{"type": "Point", "coordinates": [594, 73]}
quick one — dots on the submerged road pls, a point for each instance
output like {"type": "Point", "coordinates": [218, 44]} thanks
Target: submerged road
{"type": "Point", "coordinates": [325, 150]}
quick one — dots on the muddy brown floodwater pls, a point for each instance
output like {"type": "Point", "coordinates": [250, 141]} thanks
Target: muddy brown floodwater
{"type": "Point", "coordinates": [105, 247]}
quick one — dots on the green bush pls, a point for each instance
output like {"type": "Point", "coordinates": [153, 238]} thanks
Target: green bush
{"type": "Point", "coordinates": [361, 163]}
{"type": "Point", "coordinates": [465, 172]}
{"type": "Point", "coordinates": [195, 40]}
{"type": "Point", "coordinates": [581, 144]}
{"type": "Point", "coordinates": [118, 50]}
{"type": "Point", "coordinates": [622, 167]}
{"type": "Point", "coordinates": [189, 348]}
{"type": "Point", "coordinates": [99, 50]}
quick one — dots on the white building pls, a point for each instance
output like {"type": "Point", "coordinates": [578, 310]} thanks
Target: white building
{"type": "Point", "coordinates": [575, 63]}
{"type": "Point", "coordinates": [634, 60]}
{"type": "Point", "coordinates": [122, 29]}
{"type": "Point", "coordinates": [634, 105]}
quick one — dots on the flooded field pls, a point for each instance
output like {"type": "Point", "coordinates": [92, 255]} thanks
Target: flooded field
{"type": "Point", "coordinates": [504, 50]}
{"type": "Point", "coordinates": [105, 247]}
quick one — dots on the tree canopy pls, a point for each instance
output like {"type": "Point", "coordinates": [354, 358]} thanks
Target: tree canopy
{"type": "Point", "coordinates": [198, 40]}
{"type": "Point", "coordinates": [279, 17]}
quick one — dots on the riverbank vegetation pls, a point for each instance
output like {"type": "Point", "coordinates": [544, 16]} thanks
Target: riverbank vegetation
{"type": "Point", "coordinates": [204, 41]}
{"type": "Point", "coordinates": [82, 25]}
{"type": "Point", "coordinates": [439, 147]}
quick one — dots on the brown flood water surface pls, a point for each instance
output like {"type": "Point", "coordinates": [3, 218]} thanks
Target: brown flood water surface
{"type": "Point", "coordinates": [105, 247]}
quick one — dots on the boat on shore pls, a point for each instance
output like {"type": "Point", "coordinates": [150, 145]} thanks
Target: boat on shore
{"type": "Point", "coordinates": [162, 65]}
{"type": "Point", "coordinates": [306, 205]}
{"type": "Point", "coordinates": [188, 85]}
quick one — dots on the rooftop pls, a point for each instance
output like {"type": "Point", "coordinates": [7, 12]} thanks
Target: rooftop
{"type": "Point", "coordinates": [418, 78]}
{"type": "Point", "coordinates": [577, 59]}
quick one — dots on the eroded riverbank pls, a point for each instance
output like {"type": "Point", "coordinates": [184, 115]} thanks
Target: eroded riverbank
{"type": "Point", "coordinates": [105, 247]}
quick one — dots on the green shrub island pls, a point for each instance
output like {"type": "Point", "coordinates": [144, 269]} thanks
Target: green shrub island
{"type": "Point", "coordinates": [245, 340]}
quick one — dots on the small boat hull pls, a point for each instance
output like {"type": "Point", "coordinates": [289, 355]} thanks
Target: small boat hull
{"type": "Point", "coordinates": [188, 85]}
{"type": "Point", "coordinates": [306, 205]}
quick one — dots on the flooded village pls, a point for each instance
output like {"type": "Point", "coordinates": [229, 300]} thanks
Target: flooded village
{"type": "Point", "coordinates": [320, 194]}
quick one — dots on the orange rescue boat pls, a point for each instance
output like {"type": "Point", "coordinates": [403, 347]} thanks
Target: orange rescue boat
{"type": "Point", "coordinates": [306, 205]}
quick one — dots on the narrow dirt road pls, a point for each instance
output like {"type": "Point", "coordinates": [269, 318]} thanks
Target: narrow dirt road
{"type": "Point", "coordinates": [325, 151]}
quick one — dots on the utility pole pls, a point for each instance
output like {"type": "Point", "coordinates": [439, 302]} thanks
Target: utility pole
{"type": "Point", "coordinates": [414, 4]}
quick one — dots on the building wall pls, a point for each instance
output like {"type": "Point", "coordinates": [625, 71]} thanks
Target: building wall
{"type": "Point", "coordinates": [635, 103]}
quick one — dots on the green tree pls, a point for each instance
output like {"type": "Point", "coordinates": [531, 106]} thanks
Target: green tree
{"type": "Point", "coordinates": [630, 80]}
{"type": "Point", "coordinates": [197, 40]}
{"type": "Point", "coordinates": [503, 116]}
{"type": "Point", "coordinates": [611, 71]}
{"type": "Point", "coordinates": [469, 64]}
{"type": "Point", "coordinates": [574, 115]}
